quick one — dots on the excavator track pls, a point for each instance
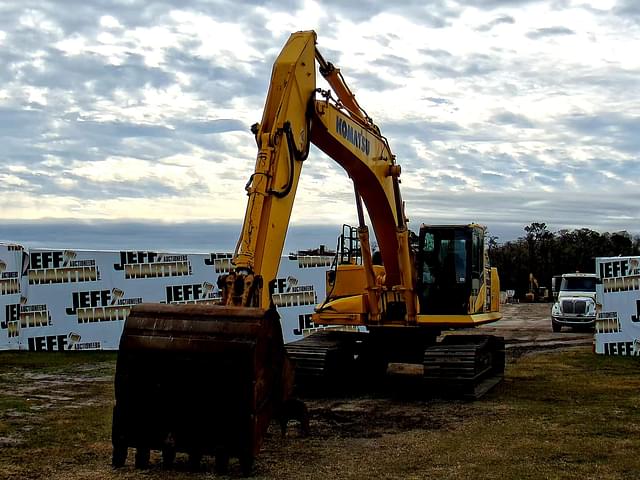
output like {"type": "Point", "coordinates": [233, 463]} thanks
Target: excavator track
{"type": "Point", "coordinates": [466, 366]}
{"type": "Point", "coordinates": [460, 366]}
{"type": "Point", "coordinates": [323, 355]}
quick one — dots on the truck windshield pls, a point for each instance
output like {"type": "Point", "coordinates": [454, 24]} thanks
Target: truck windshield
{"type": "Point", "coordinates": [578, 284]}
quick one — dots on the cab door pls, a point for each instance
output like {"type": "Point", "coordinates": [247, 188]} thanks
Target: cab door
{"type": "Point", "coordinates": [445, 270]}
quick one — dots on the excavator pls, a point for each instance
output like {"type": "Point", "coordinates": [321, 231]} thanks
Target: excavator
{"type": "Point", "coordinates": [207, 379]}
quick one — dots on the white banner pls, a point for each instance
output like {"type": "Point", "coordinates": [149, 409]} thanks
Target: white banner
{"type": "Point", "coordinates": [11, 257]}
{"type": "Point", "coordinates": [618, 323]}
{"type": "Point", "coordinates": [55, 300]}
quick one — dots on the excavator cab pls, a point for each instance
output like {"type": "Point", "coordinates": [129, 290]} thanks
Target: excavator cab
{"type": "Point", "coordinates": [450, 268]}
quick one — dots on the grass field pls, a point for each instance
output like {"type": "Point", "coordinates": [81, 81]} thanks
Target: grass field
{"type": "Point", "coordinates": [568, 414]}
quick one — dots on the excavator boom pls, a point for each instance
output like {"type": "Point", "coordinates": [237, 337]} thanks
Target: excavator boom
{"type": "Point", "coordinates": [293, 119]}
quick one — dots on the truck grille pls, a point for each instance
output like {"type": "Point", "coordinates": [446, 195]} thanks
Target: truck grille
{"type": "Point", "coordinates": [578, 307]}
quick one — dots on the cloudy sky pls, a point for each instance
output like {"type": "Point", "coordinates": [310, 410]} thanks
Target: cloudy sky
{"type": "Point", "coordinates": [125, 123]}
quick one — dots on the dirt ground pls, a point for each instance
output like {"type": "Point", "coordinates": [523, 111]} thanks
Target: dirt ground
{"type": "Point", "coordinates": [46, 414]}
{"type": "Point", "coordinates": [527, 327]}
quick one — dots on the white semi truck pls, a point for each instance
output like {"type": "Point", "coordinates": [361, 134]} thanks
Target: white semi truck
{"type": "Point", "coordinates": [575, 305]}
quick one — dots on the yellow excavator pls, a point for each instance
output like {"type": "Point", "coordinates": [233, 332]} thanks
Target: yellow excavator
{"type": "Point", "coordinates": [207, 379]}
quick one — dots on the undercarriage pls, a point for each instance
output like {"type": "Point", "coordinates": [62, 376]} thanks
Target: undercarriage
{"type": "Point", "coordinates": [459, 366]}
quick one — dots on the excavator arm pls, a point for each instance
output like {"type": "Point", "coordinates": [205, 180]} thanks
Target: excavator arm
{"type": "Point", "coordinates": [293, 118]}
{"type": "Point", "coordinates": [283, 138]}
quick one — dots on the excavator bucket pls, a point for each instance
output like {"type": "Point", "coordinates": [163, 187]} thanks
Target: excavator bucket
{"type": "Point", "coordinates": [199, 379]}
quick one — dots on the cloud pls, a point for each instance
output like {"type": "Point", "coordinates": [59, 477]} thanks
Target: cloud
{"type": "Point", "coordinates": [425, 131]}
{"type": "Point", "coordinates": [130, 111]}
{"type": "Point", "coordinates": [510, 118]}
{"type": "Point", "coordinates": [500, 212]}
{"type": "Point", "coordinates": [550, 32]}
{"type": "Point", "coordinates": [373, 82]}
{"type": "Point", "coordinates": [445, 65]}
{"type": "Point", "coordinates": [493, 4]}
{"type": "Point", "coordinates": [628, 10]}
{"type": "Point", "coordinates": [439, 101]}
{"type": "Point", "coordinates": [501, 20]}
{"type": "Point", "coordinates": [618, 130]}
{"type": "Point", "coordinates": [398, 65]}
{"type": "Point", "coordinates": [435, 14]}
{"type": "Point", "coordinates": [20, 123]}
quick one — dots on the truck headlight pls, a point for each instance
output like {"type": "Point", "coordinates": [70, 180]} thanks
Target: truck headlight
{"type": "Point", "coordinates": [555, 310]}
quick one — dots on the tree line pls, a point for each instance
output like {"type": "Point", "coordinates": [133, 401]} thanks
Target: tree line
{"type": "Point", "coordinates": [545, 254]}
